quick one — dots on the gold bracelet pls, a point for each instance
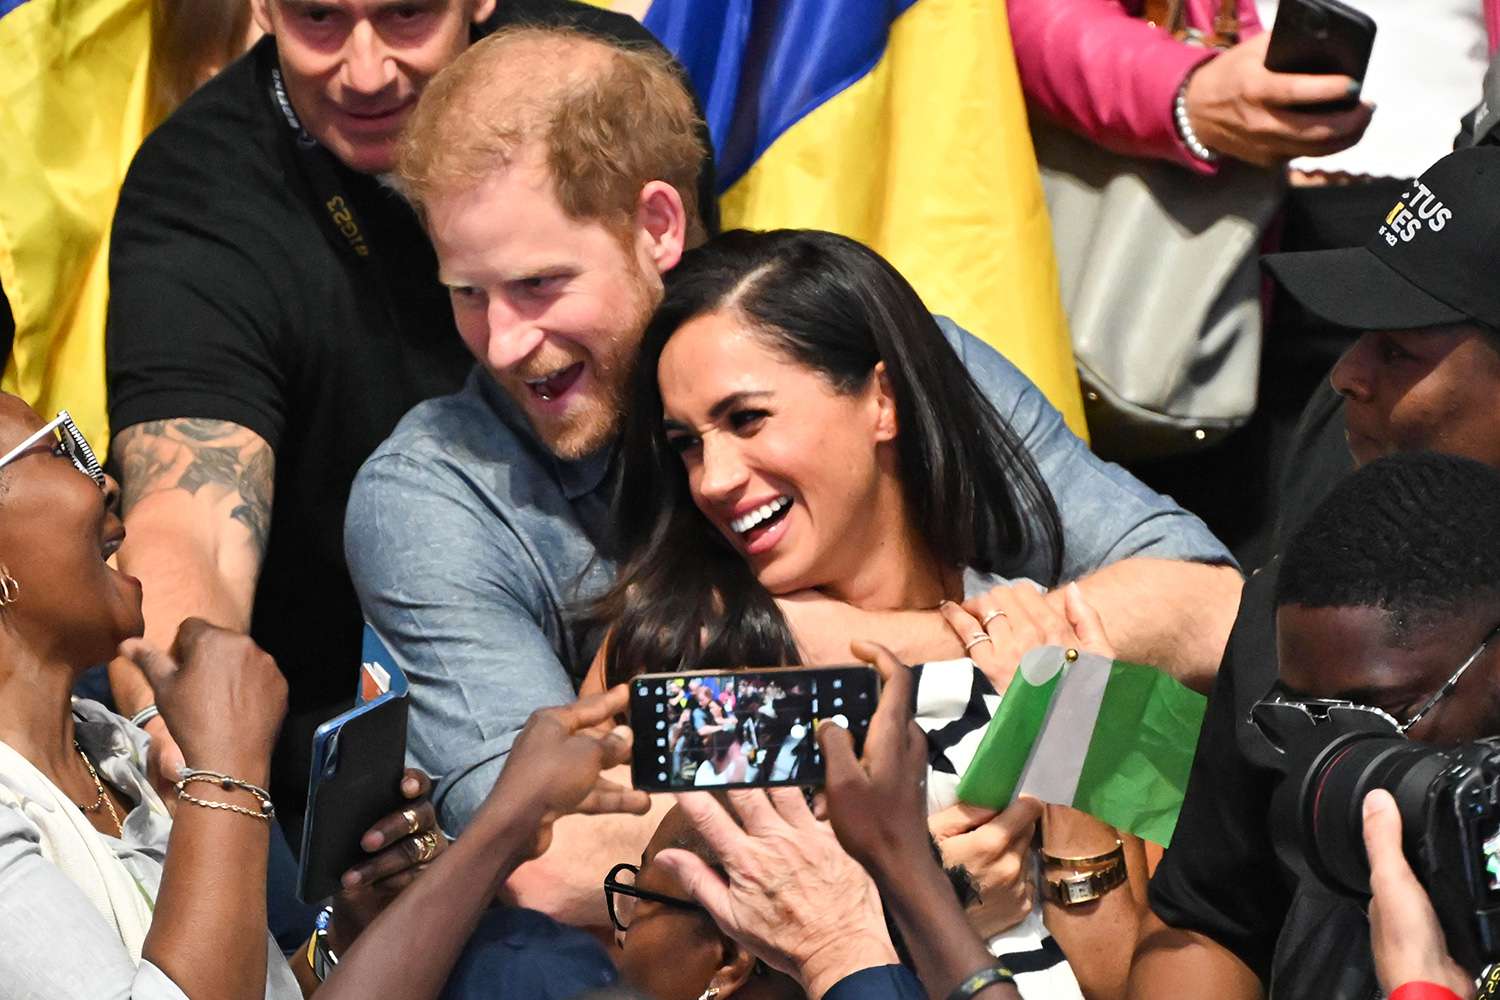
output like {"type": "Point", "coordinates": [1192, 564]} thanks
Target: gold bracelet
{"type": "Point", "coordinates": [267, 811]}
{"type": "Point", "coordinates": [1084, 864]}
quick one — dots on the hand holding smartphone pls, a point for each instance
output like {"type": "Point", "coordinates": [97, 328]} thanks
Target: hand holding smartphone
{"type": "Point", "coordinates": [1321, 37]}
{"type": "Point", "coordinates": [743, 728]}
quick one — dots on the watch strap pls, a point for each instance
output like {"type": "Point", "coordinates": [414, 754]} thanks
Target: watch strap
{"type": "Point", "coordinates": [1085, 887]}
{"type": "Point", "coordinates": [1084, 864]}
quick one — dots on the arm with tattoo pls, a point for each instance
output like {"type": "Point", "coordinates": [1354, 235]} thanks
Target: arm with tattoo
{"type": "Point", "coordinates": [196, 495]}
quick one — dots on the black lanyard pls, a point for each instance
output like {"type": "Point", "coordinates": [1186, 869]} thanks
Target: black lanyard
{"type": "Point", "coordinates": [338, 211]}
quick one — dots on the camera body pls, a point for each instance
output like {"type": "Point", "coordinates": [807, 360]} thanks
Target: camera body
{"type": "Point", "coordinates": [1449, 799]}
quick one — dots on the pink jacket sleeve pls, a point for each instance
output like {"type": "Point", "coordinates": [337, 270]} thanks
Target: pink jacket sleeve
{"type": "Point", "coordinates": [1093, 68]}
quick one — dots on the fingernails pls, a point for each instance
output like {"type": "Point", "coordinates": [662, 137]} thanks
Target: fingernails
{"type": "Point", "coordinates": [410, 786]}
{"type": "Point", "coordinates": [373, 841]}
{"type": "Point", "coordinates": [351, 878]}
{"type": "Point", "coordinates": [1355, 88]}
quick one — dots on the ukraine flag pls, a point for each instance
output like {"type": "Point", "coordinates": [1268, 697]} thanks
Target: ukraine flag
{"type": "Point", "coordinates": [899, 123]}
{"type": "Point", "coordinates": [73, 87]}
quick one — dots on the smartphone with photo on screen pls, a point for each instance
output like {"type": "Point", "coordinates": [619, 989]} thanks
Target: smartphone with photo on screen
{"type": "Point", "coordinates": [743, 728]}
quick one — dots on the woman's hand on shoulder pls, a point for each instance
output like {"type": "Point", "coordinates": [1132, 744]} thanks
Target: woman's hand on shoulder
{"type": "Point", "coordinates": [221, 696]}
{"type": "Point", "coordinates": [1001, 626]}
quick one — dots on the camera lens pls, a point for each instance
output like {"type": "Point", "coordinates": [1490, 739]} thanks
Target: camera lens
{"type": "Point", "coordinates": [1333, 794]}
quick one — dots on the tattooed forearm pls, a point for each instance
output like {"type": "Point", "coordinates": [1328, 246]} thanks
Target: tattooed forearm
{"type": "Point", "coordinates": [213, 458]}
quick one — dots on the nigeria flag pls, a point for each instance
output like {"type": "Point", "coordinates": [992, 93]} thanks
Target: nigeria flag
{"type": "Point", "coordinates": [1108, 738]}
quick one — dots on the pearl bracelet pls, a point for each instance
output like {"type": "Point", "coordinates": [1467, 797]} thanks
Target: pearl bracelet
{"type": "Point", "coordinates": [1185, 129]}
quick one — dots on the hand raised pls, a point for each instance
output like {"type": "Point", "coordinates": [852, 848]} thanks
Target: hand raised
{"type": "Point", "coordinates": [1239, 108]}
{"type": "Point", "coordinates": [793, 897]}
{"type": "Point", "coordinates": [554, 767]}
{"type": "Point", "coordinates": [219, 693]}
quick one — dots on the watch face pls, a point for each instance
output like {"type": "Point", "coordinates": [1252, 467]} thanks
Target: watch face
{"type": "Point", "coordinates": [1080, 890]}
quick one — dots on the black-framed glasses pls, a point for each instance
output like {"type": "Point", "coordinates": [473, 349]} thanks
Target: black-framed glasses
{"type": "Point", "coordinates": [69, 441]}
{"type": "Point", "coordinates": [620, 893]}
{"type": "Point", "coordinates": [1318, 710]}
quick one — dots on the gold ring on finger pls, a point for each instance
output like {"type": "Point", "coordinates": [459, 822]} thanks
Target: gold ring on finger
{"type": "Point", "coordinates": [976, 640]}
{"type": "Point", "coordinates": [427, 847]}
{"type": "Point", "coordinates": [413, 825]}
{"type": "Point", "coordinates": [985, 621]}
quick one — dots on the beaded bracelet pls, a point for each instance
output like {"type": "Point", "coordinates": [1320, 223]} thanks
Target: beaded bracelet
{"type": "Point", "coordinates": [1185, 128]}
{"type": "Point", "coordinates": [266, 812]}
{"type": "Point", "coordinates": [979, 980]}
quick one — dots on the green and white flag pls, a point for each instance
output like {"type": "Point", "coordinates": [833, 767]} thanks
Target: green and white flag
{"type": "Point", "coordinates": [1108, 738]}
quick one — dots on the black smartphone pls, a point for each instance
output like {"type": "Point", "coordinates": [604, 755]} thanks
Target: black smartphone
{"type": "Point", "coordinates": [1321, 37]}
{"type": "Point", "coordinates": [743, 728]}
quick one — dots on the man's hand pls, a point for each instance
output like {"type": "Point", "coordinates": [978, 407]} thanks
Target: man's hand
{"type": "Point", "coordinates": [793, 897]}
{"type": "Point", "coordinates": [220, 693]}
{"type": "Point", "coordinates": [554, 765]}
{"type": "Point", "coordinates": [1404, 932]}
{"type": "Point", "coordinates": [1239, 108]}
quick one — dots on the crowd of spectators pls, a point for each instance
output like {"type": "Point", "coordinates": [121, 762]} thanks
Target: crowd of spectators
{"type": "Point", "coordinates": [422, 326]}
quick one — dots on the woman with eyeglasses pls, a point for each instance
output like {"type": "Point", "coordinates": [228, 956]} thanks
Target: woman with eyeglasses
{"type": "Point", "coordinates": [103, 890]}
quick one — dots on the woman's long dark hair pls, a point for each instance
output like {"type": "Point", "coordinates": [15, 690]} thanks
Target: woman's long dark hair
{"type": "Point", "coordinates": [683, 597]}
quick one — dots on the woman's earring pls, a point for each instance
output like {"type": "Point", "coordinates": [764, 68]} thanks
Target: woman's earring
{"type": "Point", "coordinates": [709, 994]}
{"type": "Point", "coordinates": [10, 588]}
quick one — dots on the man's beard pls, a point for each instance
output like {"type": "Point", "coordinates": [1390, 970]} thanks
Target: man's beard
{"type": "Point", "coordinates": [598, 419]}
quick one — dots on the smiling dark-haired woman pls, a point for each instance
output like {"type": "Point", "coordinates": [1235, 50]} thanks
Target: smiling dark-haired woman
{"type": "Point", "coordinates": [92, 901]}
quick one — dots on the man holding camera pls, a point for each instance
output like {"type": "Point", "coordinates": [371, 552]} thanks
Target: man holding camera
{"type": "Point", "coordinates": [1424, 375]}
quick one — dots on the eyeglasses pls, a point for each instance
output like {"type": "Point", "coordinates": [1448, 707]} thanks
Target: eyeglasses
{"type": "Point", "coordinates": [621, 896]}
{"type": "Point", "coordinates": [70, 442]}
{"type": "Point", "coordinates": [1318, 710]}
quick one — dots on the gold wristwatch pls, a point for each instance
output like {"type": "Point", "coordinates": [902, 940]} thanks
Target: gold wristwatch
{"type": "Point", "coordinates": [1090, 878]}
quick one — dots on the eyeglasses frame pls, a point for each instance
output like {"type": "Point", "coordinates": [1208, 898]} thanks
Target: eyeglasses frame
{"type": "Point", "coordinates": [613, 885]}
{"type": "Point", "coordinates": [74, 444]}
{"type": "Point", "coordinates": [1309, 705]}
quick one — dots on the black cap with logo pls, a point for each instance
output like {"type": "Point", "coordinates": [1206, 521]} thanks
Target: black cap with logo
{"type": "Point", "coordinates": [1432, 261]}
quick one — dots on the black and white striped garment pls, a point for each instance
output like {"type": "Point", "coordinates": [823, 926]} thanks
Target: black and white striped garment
{"type": "Point", "coordinates": [955, 702]}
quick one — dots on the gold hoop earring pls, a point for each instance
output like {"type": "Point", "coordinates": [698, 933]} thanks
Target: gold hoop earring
{"type": "Point", "coordinates": [10, 588]}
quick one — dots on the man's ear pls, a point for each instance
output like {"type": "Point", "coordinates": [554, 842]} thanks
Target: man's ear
{"type": "Point", "coordinates": [482, 10]}
{"type": "Point", "coordinates": [661, 223]}
{"type": "Point", "coordinates": [886, 423]}
{"type": "Point", "coordinates": [261, 11]}
{"type": "Point", "coordinates": [735, 970]}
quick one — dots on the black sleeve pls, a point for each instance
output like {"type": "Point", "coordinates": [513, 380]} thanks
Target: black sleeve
{"type": "Point", "coordinates": [1220, 876]}
{"type": "Point", "coordinates": [1317, 458]}
{"type": "Point", "coordinates": [196, 305]}
{"type": "Point", "coordinates": [7, 325]}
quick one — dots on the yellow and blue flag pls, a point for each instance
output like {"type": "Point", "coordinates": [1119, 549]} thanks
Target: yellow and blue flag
{"type": "Point", "coordinates": [73, 87]}
{"type": "Point", "coordinates": [899, 123]}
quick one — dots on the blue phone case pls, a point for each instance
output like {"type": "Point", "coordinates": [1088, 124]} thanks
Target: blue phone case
{"type": "Point", "coordinates": [358, 759]}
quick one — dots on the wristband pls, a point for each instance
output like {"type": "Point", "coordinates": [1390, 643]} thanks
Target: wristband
{"type": "Point", "coordinates": [1418, 990]}
{"type": "Point", "coordinates": [1108, 858]}
{"type": "Point", "coordinates": [979, 980]}
{"type": "Point", "coordinates": [319, 956]}
{"type": "Point", "coordinates": [145, 715]}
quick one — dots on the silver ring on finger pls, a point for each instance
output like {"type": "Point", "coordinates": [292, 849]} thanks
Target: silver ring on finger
{"type": "Point", "coordinates": [975, 640]}
{"type": "Point", "coordinates": [985, 621]}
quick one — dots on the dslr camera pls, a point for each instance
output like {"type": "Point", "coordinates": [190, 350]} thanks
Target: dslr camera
{"type": "Point", "coordinates": [1331, 754]}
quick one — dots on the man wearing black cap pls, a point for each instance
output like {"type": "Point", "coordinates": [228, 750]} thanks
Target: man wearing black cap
{"type": "Point", "coordinates": [1423, 375]}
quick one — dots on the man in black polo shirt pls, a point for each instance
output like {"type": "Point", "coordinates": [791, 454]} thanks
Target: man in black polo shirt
{"type": "Point", "coordinates": [274, 311]}
{"type": "Point", "coordinates": [1425, 375]}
